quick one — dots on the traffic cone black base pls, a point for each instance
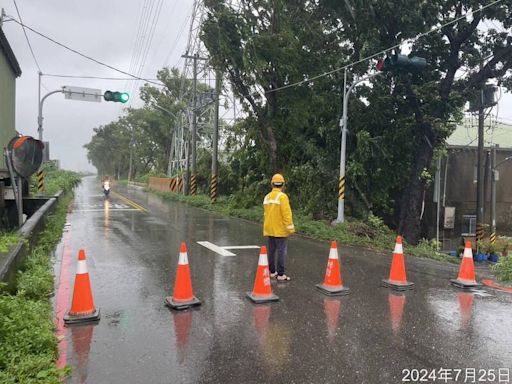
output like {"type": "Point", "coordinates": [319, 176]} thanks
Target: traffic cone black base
{"type": "Point", "coordinates": [70, 319]}
{"type": "Point", "coordinates": [396, 285]}
{"type": "Point", "coordinates": [174, 304]}
{"type": "Point", "coordinates": [465, 284]}
{"type": "Point", "coordinates": [333, 291]}
{"type": "Point", "coordinates": [261, 299]}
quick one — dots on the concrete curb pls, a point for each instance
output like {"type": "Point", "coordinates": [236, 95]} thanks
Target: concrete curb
{"type": "Point", "coordinates": [13, 260]}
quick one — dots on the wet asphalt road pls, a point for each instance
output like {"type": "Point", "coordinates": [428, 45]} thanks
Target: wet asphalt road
{"type": "Point", "coordinates": [370, 336]}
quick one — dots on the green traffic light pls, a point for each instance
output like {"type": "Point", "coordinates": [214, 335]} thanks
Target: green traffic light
{"type": "Point", "coordinates": [124, 97]}
{"type": "Point", "coordinates": [118, 97]}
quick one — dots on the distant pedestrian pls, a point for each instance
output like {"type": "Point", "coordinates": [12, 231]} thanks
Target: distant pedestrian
{"type": "Point", "coordinates": [277, 226]}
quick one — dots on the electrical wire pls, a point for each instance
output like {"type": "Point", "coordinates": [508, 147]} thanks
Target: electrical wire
{"type": "Point", "coordinates": [380, 53]}
{"type": "Point", "coordinates": [94, 77]}
{"type": "Point", "coordinates": [26, 36]}
{"type": "Point", "coordinates": [84, 55]}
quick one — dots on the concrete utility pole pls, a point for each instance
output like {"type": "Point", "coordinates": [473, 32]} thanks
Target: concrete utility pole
{"type": "Point", "coordinates": [215, 144]}
{"type": "Point", "coordinates": [479, 173]}
{"type": "Point", "coordinates": [193, 139]}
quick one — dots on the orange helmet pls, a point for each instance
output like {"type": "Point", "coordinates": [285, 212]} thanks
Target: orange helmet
{"type": "Point", "coordinates": [277, 179]}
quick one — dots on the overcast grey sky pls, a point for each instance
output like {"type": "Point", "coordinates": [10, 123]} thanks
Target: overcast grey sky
{"type": "Point", "coordinates": [106, 31]}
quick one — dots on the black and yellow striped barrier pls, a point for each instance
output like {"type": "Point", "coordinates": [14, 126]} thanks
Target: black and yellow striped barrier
{"type": "Point", "coordinates": [173, 184]}
{"type": "Point", "coordinates": [492, 238]}
{"type": "Point", "coordinates": [40, 181]}
{"type": "Point", "coordinates": [341, 188]}
{"type": "Point", "coordinates": [213, 188]}
{"type": "Point", "coordinates": [479, 231]}
{"type": "Point", "coordinates": [193, 185]}
{"type": "Point", "coordinates": [180, 184]}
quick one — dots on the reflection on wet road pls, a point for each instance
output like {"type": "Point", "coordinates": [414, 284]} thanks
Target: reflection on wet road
{"type": "Point", "coordinates": [132, 242]}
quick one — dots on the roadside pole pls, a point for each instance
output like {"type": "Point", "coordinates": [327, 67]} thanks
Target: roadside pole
{"type": "Point", "coordinates": [492, 238]}
{"type": "Point", "coordinates": [343, 124]}
{"type": "Point", "coordinates": [215, 143]}
{"type": "Point", "coordinates": [479, 173]}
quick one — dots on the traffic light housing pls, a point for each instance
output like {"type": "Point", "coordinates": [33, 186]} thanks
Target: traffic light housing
{"type": "Point", "coordinates": [399, 62]}
{"type": "Point", "coordinates": [118, 97]}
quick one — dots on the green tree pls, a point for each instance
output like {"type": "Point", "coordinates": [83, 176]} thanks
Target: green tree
{"type": "Point", "coordinates": [426, 105]}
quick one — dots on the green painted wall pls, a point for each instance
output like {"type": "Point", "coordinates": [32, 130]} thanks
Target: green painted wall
{"type": "Point", "coordinates": [7, 105]}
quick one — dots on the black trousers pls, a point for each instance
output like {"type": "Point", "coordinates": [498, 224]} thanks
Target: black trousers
{"type": "Point", "coordinates": [277, 245]}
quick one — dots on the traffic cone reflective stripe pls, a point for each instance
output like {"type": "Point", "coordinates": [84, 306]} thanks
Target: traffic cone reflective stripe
{"type": "Point", "coordinates": [82, 304]}
{"type": "Point", "coordinates": [183, 296]}
{"type": "Point", "coordinates": [262, 289]}
{"type": "Point", "coordinates": [466, 278]}
{"type": "Point", "coordinates": [397, 276]}
{"type": "Point", "coordinates": [333, 283]}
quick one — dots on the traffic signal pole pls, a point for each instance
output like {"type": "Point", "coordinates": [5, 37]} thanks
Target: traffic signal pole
{"type": "Point", "coordinates": [40, 113]}
{"type": "Point", "coordinates": [343, 125]}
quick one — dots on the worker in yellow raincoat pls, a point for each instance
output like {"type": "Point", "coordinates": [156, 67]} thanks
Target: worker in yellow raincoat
{"type": "Point", "coordinates": [277, 226]}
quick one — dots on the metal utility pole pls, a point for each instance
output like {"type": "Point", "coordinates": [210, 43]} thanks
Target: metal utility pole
{"type": "Point", "coordinates": [40, 118]}
{"type": "Point", "coordinates": [479, 173]}
{"type": "Point", "coordinates": [492, 237]}
{"type": "Point", "coordinates": [193, 139]}
{"type": "Point", "coordinates": [40, 112]}
{"type": "Point", "coordinates": [215, 144]}
{"type": "Point", "coordinates": [344, 130]}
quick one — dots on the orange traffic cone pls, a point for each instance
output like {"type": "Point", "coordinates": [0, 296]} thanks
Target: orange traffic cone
{"type": "Point", "coordinates": [82, 305]}
{"type": "Point", "coordinates": [262, 290]}
{"type": "Point", "coordinates": [397, 277]}
{"type": "Point", "coordinates": [333, 285]}
{"type": "Point", "coordinates": [466, 279]}
{"type": "Point", "coordinates": [182, 296]}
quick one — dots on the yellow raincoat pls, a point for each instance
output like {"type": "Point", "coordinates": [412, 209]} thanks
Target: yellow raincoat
{"type": "Point", "coordinates": [278, 220]}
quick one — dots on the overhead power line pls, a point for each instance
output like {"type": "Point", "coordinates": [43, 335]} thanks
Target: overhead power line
{"type": "Point", "coordinates": [380, 53]}
{"type": "Point", "coordinates": [26, 36]}
{"type": "Point", "coordinates": [94, 77]}
{"type": "Point", "coordinates": [82, 54]}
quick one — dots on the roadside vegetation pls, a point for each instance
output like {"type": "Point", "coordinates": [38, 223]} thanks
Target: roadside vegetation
{"type": "Point", "coordinates": [28, 344]}
{"type": "Point", "coordinates": [55, 180]}
{"type": "Point", "coordinates": [371, 233]}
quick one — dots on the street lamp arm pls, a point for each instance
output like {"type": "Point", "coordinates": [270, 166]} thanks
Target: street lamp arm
{"type": "Point", "coordinates": [40, 112]}
{"type": "Point", "coordinates": [502, 161]}
{"type": "Point", "coordinates": [154, 104]}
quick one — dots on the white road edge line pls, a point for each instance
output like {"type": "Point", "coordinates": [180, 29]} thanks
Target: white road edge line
{"type": "Point", "coordinates": [219, 250]}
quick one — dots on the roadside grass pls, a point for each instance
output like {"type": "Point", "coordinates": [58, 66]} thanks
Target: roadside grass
{"type": "Point", "coordinates": [373, 233]}
{"type": "Point", "coordinates": [55, 180]}
{"type": "Point", "coordinates": [503, 268]}
{"type": "Point", "coordinates": [7, 240]}
{"type": "Point", "coordinates": [28, 344]}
